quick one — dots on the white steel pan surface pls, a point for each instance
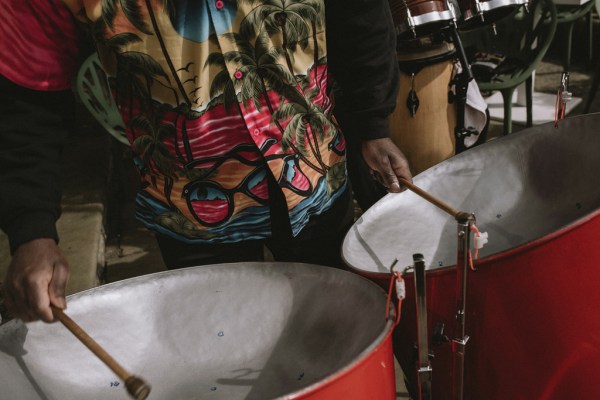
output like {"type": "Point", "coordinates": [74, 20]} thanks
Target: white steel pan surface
{"type": "Point", "coordinates": [521, 187]}
{"type": "Point", "coordinates": [231, 331]}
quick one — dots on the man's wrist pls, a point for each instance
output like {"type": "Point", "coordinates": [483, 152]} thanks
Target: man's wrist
{"type": "Point", "coordinates": [36, 225]}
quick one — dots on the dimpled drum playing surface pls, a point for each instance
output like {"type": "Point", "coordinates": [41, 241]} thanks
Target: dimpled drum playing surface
{"type": "Point", "coordinates": [531, 305]}
{"type": "Point", "coordinates": [231, 331]}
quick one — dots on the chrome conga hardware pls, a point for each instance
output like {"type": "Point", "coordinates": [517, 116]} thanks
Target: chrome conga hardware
{"type": "Point", "coordinates": [562, 96]}
{"type": "Point", "coordinates": [410, 22]}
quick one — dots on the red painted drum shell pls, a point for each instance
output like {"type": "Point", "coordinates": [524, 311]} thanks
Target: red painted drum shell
{"type": "Point", "coordinates": [531, 304]}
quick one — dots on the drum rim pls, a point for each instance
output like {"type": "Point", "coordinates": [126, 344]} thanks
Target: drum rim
{"type": "Point", "coordinates": [536, 242]}
{"type": "Point", "coordinates": [275, 264]}
{"type": "Point", "coordinates": [493, 258]}
{"type": "Point", "coordinates": [359, 360]}
{"type": "Point", "coordinates": [495, 4]}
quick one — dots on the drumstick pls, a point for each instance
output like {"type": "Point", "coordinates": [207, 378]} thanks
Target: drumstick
{"type": "Point", "coordinates": [136, 387]}
{"type": "Point", "coordinates": [457, 214]}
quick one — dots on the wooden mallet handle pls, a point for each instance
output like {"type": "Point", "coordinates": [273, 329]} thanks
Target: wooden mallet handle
{"type": "Point", "coordinates": [136, 387]}
{"type": "Point", "coordinates": [457, 214]}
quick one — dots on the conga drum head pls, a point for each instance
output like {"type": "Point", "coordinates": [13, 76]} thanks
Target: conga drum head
{"type": "Point", "coordinates": [531, 303]}
{"type": "Point", "coordinates": [231, 331]}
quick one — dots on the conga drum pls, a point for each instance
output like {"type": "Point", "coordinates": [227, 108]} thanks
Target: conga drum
{"type": "Point", "coordinates": [476, 13]}
{"type": "Point", "coordinates": [532, 302]}
{"type": "Point", "coordinates": [423, 122]}
{"type": "Point", "coordinates": [417, 18]}
{"type": "Point", "coordinates": [231, 331]}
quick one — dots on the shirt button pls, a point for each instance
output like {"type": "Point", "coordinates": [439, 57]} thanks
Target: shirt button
{"type": "Point", "coordinates": [219, 4]}
{"type": "Point", "coordinates": [256, 132]}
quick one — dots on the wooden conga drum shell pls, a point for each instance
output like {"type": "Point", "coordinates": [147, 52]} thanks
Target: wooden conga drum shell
{"type": "Point", "coordinates": [417, 18]}
{"type": "Point", "coordinates": [531, 310]}
{"type": "Point", "coordinates": [427, 138]}
{"type": "Point", "coordinates": [231, 331]}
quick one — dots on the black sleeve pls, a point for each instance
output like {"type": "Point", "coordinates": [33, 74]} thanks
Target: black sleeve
{"type": "Point", "coordinates": [33, 128]}
{"type": "Point", "coordinates": [361, 42]}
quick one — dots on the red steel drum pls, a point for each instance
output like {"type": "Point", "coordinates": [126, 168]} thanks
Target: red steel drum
{"type": "Point", "coordinates": [532, 304]}
{"type": "Point", "coordinates": [232, 331]}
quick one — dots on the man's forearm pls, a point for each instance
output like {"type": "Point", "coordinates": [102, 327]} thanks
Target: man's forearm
{"type": "Point", "coordinates": [33, 129]}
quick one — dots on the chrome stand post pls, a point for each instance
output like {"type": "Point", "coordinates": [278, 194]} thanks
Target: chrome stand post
{"type": "Point", "coordinates": [465, 222]}
{"type": "Point", "coordinates": [424, 371]}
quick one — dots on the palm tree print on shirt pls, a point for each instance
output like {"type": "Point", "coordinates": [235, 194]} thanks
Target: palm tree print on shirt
{"type": "Point", "coordinates": [264, 68]}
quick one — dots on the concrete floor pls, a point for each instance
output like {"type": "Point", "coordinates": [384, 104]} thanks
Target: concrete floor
{"type": "Point", "coordinates": [105, 244]}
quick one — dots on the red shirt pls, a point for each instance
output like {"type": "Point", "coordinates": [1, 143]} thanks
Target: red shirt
{"type": "Point", "coordinates": [44, 55]}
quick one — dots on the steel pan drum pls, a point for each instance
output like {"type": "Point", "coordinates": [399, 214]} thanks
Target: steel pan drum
{"type": "Point", "coordinates": [232, 331]}
{"type": "Point", "coordinates": [532, 305]}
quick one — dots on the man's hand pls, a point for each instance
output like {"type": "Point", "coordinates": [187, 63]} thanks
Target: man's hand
{"type": "Point", "coordinates": [386, 162]}
{"type": "Point", "coordinates": [37, 277]}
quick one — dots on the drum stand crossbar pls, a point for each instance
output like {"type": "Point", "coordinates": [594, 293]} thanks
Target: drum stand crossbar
{"type": "Point", "coordinates": [465, 222]}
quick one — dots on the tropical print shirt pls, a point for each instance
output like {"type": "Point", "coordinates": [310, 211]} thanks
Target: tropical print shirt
{"type": "Point", "coordinates": [219, 95]}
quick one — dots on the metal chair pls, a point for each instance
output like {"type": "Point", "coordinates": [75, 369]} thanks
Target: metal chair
{"type": "Point", "coordinates": [91, 85]}
{"type": "Point", "coordinates": [92, 88]}
{"type": "Point", "coordinates": [523, 38]}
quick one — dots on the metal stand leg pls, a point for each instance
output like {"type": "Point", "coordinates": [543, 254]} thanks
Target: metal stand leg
{"type": "Point", "coordinates": [424, 372]}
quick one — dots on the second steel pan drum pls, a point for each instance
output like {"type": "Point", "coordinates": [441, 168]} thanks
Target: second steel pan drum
{"type": "Point", "coordinates": [532, 304]}
{"type": "Point", "coordinates": [233, 331]}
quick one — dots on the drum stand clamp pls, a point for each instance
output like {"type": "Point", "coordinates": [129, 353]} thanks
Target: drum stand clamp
{"type": "Point", "coordinates": [562, 96]}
